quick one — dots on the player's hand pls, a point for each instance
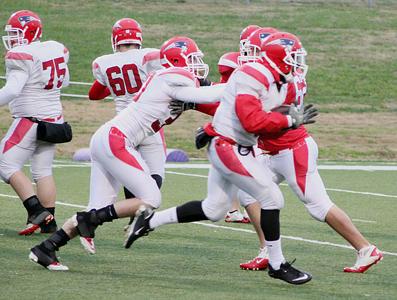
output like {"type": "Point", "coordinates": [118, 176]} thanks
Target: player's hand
{"type": "Point", "coordinates": [302, 115]}
{"type": "Point", "coordinates": [202, 138]}
{"type": "Point", "coordinates": [177, 107]}
{"type": "Point", "coordinates": [205, 82]}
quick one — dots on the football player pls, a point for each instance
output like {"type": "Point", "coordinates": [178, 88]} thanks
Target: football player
{"type": "Point", "coordinates": [121, 75]}
{"type": "Point", "coordinates": [36, 71]}
{"type": "Point", "coordinates": [243, 114]}
{"type": "Point", "coordinates": [226, 65]}
{"type": "Point", "coordinates": [293, 158]}
{"type": "Point", "coordinates": [115, 160]}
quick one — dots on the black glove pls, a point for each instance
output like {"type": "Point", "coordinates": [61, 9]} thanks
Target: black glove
{"type": "Point", "coordinates": [177, 107]}
{"type": "Point", "coordinates": [302, 115]}
{"type": "Point", "coordinates": [205, 82]}
{"type": "Point", "coordinates": [202, 138]}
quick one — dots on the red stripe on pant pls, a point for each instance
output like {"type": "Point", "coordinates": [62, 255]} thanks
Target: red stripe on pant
{"type": "Point", "coordinates": [161, 132]}
{"type": "Point", "coordinates": [19, 133]}
{"type": "Point", "coordinates": [117, 146]}
{"type": "Point", "coordinates": [226, 154]}
{"type": "Point", "coordinates": [301, 164]}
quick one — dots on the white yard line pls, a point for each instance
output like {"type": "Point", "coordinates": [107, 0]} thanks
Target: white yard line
{"type": "Point", "coordinates": [207, 166]}
{"type": "Point", "coordinates": [284, 184]}
{"type": "Point", "coordinates": [295, 238]}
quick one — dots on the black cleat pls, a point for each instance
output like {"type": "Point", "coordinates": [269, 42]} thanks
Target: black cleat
{"type": "Point", "coordinates": [86, 223]}
{"type": "Point", "coordinates": [289, 274]}
{"type": "Point", "coordinates": [140, 225]}
{"type": "Point", "coordinates": [41, 255]}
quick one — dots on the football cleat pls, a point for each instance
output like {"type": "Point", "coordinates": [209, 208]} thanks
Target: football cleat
{"type": "Point", "coordinates": [140, 226]}
{"type": "Point", "coordinates": [42, 217]}
{"type": "Point", "coordinates": [289, 274]}
{"type": "Point", "coordinates": [47, 259]}
{"type": "Point", "coordinates": [88, 244]}
{"type": "Point", "coordinates": [366, 258]}
{"type": "Point", "coordinates": [236, 217]}
{"type": "Point", "coordinates": [258, 263]}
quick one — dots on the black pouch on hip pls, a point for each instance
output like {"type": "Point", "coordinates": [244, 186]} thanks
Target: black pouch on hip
{"type": "Point", "coordinates": [54, 133]}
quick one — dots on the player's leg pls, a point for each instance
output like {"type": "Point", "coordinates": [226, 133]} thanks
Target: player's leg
{"type": "Point", "coordinates": [153, 151]}
{"type": "Point", "coordinates": [213, 208]}
{"type": "Point", "coordinates": [41, 170]}
{"type": "Point", "coordinates": [306, 182]}
{"type": "Point", "coordinates": [243, 170]}
{"type": "Point", "coordinates": [253, 208]}
{"type": "Point", "coordinates": [15, 149]}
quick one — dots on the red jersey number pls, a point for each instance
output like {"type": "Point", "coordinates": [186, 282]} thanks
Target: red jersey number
{"type": "Point", "coordinates": [124, 80]}
{"type": "Point", "coordinates": [55, 71]}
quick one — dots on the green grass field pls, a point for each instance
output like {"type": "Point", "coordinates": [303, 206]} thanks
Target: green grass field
{"type": "Point", "coordinates": [192, 261]}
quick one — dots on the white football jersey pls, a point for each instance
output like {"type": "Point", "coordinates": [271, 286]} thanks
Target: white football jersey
{"type": "Point", "coordinates": [125, 72]}
{"type": "Point", "coordinates": [149, 111]}
{"type": "Point", "coordinates": [46, 66]}
{"type": "Point", "coordinates": [251, 79]}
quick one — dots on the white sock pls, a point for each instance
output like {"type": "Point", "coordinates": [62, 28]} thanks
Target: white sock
{"type": "Point", "coordinates": [263, 253]}
{"type": "Point", "coordinates": [167, 216]}
{"type": "Point", "coordinates": [276, 257]}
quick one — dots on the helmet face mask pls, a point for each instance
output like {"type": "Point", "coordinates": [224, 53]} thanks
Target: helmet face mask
{"type": "Point", "coordinates": [23, 28]}
{"type": "Point", "coordinates": [196, 65]}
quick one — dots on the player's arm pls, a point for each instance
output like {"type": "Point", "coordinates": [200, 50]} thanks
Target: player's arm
{"type": "Point", "coordinates": [98, 91]}
{"type": "Point", "coordinates": [254, 120]}
{"type": "Point", "coordinates": [206, 94]}
{"type": "Point", "coordinates": [16, 80]}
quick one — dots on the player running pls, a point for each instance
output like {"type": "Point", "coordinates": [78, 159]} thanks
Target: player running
{"type": "Point", "coordinates": [35, 71]}
{"type": "Point", "coordinates": [115, 160]}
{"type": "Point", "coordinates": [243, 114]}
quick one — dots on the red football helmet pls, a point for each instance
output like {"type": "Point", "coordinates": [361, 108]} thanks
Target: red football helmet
{"type": "Point", "coordinates": [22, 28]}
{"type": "Point", "coordinates": [126, 31]}
{"type": "Point", "coordinates": [251, 50]}
{"type": "Point", "coordinates": [246, 32]}
{"type": "Point", "coordinates": [183, 52]}
{"type": "Point", "coordinates": [284, 53]}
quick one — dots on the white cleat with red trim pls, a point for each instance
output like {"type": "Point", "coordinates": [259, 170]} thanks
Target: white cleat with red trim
{"type": "Point", "coordinates": [366, 258]}
{"type": "Point", "coordinates": [88, 244]}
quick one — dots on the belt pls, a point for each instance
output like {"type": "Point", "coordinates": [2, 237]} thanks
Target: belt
{"type": "Point", "coordinates": [51, 120]}
{"type": "Point", "coordinates": [294, 147]}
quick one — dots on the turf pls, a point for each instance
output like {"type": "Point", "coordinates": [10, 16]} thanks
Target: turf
{"type": "Point", "coordinates": [191, 261]}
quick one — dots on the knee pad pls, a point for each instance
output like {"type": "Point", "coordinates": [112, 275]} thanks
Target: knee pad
{"type": "Point", "coordinates": [154, 200]}
{"type": "Point", "coordinates": [7, 170]}
{"type": "Point", "coordinates": [158, 179]}
{"type": "Point", "coordinates": [245, 199]}
{"type": "Point", "coordinates": [40, 172]}
{"type": "Point", "coordinates": [319, 210]}
{"type": "Point", "coordinates": [276, 200]}
{"type": "Point", "coordinates": [215, 210]}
